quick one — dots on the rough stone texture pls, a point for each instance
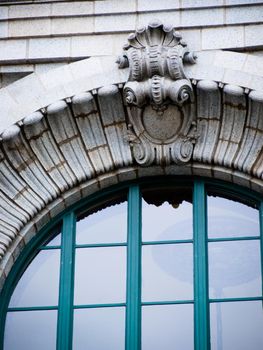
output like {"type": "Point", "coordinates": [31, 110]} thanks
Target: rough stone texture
{"type": "Point", "coordinates": [91, 129]}
{"type": "Point", "coordinates": [114, 124]}
{"type": "Point", "coordinates": [39, 90]}
{"type": "Point", "coordinates": [67, 138]}
{"type": "Point", "coordinates": [234, 24]}
{"type": "Point", "coordinates": [63, 132]}
{"type": "Point", "coordinates": [56, 149]}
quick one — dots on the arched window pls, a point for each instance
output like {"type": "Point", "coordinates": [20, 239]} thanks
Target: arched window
{"type": "Point", "coordinates": [174, 264]}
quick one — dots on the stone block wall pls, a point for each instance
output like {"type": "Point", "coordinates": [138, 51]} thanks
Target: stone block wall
{"type": "Point", "coordinates": [38, 35]}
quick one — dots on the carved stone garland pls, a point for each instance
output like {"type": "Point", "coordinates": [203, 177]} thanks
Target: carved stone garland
{"type": "Point", "coordinates": [162, 126]}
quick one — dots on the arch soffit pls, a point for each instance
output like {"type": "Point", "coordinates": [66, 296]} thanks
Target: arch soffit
{"type": "Point", "coordinates": [64, 136]}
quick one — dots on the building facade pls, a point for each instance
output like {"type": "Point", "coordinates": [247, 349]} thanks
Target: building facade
{"type": "Point", "coordinates": [131, 108]}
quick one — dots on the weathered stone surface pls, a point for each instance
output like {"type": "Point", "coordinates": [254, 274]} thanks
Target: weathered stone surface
{"type": "Point", "coordinates": [28, 95]}
{"type": "Point", "coordinates": [232, 125]}
{"type": "Point", "coordinates": [46, 32]}
{"type": "Point", "coordinates": [75, 143]}
{"type": "Point", "coordinates": [89, 122]}
{"type": "Point", "coordinates": [155, 55]}
{"type": "Point", "coordinates": [251, 152]}
{"type": "Point", "coordinates": [68, 139]}
{"type": "Point", "coordinates": [208, 120]}
{"type": "Point", "coordinates": [46, 150]}
{"type": "Point", "coordinates": [25, 162]}
{"type": "Point", "coordinates": [159, 95]}
{"type": "Point", "coordinates": [82, 138]}
{"type": "Point", "coordinates": [115, 128]}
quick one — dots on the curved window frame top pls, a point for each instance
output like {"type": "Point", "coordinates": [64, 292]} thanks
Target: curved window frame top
{"type": "Point", "coordinates": [133, 304]}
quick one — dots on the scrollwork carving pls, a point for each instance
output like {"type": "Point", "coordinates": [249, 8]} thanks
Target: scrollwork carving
{"type": "Point", "coordinates": [155, 55]}
{"type": "Point", "coordinates": [155, 52]}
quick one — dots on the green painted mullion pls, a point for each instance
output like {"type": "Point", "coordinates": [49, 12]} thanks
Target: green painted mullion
{"type": "Point", "coordinates": [201, 305]}
{"type": "Point", "coordinates": [32, 308]}
{"type": "Point", "coordinates": [177, 241]}
{"type": "Point", "coordinates": [101, 245]}
{"type": "Point", "coordinates": [133, 309]}
{"type": "Point", "coordinates": [261, 239]}
{"type": "Point", "coordinates": [232, 239]}
{"type": "Point", "coordinates": [50, 247]}
{"type": "Point", "coordinates": [65, 313]}
{"type": "Point", "coordinates": [96, 306]}
{"type": "Point", "coordinates": [229, 300]}
{"type": "Point", "coordinates": [172, 302]}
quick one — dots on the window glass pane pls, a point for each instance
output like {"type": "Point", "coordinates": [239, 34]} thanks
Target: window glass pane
{"type": "Point", "coordinates": [100, 275]}
{"type": "Point", "coordinates": [105, 226]}
{"type": "Point", "coordinates": [234, 269]}
{"type": "Point", "coordinates": [227, 218]}
{"type": "Point", "coordinates": [167, 327]}
{"type": "Point", "coordinates": [167, 272]}
{"type": "Point", "coordinates": [56, 241]}
{"type": "Point", "coordinates": [236, 325]}
{"type": "Point", "coordinates": [30, 330]}
{"type": "Point", "coordinates": [167, 221]}
{"type": "Point", "coordinates": [99, 329]}
{"type": "Point", "coordinates": [39, 284]}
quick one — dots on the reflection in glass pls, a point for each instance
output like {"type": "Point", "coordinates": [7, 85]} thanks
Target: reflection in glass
{"type": "Point", "coordinates": [167, 327]}
{"type": "Point", "coordinates": [30, 330]}
{"type": "Point", "coordinates": [99, 329]}
{"type": "Point", "coordinates": [56, 241]}
{"type": "Point", "coordinates": [105, 226]}
{"type": "Point", "coordinates": [100, 275]}
{"type": "Point", "coordinates": [227, 218]}
{"type": "Point", "coordinates": [166, 222]}
{"type": "Point", "coordinates": [236, 325]}
{"type": "Point", "coordinates": [39, 284]}
{"type": "Point", "coordinates": [234, 269]}
{"type": "Point", "coordinates": [167, 272]}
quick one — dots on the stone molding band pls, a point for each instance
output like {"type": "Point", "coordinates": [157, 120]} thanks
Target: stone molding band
{"type": "Point", "coordinates": [88, 141]}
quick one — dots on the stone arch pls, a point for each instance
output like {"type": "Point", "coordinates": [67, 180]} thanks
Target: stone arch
{"type": "Point", "coordinates": [65, 136]}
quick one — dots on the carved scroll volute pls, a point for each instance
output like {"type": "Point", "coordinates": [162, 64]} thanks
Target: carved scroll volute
{"type": "Point", "coordinates": [157, 93]}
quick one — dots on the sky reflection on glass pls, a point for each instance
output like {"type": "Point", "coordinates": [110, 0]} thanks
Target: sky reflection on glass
{"type": "Point", "coordinates": [31, 330]}
{"type": "Point", "coordinates": [167, 275]}
{"type": "Point", "coordinates": [99, 329]}
{"type": "Point", "coordinates": [56, 241]}
{"type": "Point", "coordinates": [227, 218]}
{"type": "Point", "coordinates": [241, 326]}
{"type": "Point", "coordinates": [100, 275]}
{"type": "Point", "coordinates": [167, 327]}
{"type": "Point", "coordinates": [167, 272]}
{"type": "Point", "coordinates": [105, 226]}
{"type": "Point", "coordinates": [234, 269]}
{"type": "Point", "coordinates": [39, 284]}
{"type": "Point", "coordinates": [166, 222]}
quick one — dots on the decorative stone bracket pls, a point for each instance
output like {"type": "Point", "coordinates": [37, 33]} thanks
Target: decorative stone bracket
{"type": "Point", "coordinates": [159, 95]}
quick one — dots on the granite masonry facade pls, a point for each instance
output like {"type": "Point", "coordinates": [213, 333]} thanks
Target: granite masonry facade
{"type": "Point", "coordinates": [73, 121]}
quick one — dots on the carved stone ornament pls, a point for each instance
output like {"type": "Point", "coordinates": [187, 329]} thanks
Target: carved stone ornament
{"type": "Point", "coordinates": [159, 95]}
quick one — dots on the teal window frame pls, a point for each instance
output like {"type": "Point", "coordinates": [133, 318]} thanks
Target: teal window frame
{"type": "Point", "coordinates": [201, 301]}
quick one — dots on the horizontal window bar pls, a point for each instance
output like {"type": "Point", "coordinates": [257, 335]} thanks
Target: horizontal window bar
{"type": "Point", "coordinates": [50, 247]}
{"type": "Point", "coordinates": [229, 239]}
{"type": "Point", "coordinates": [93, 306]}
{"type": "Point", "coordinates": [98, 245]}
{"type": "Point", "coordinates": [227, 300]}
{"type": "Point", "coordinates": [174, 302]}
{"type": "Point", "coordinates": [178, 241]}
{"type": "Point", "coordinates": [32, 308]}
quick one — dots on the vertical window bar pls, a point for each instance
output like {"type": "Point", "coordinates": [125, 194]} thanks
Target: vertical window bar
{"type": "Point", "coordinates": [261, 238]}
{"type": "Point", "coordinates": [201, 303]}
{"type": "Point", "coordinates": [65, 309]}
{"type": "Point", "coordinates": [133, 310]}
